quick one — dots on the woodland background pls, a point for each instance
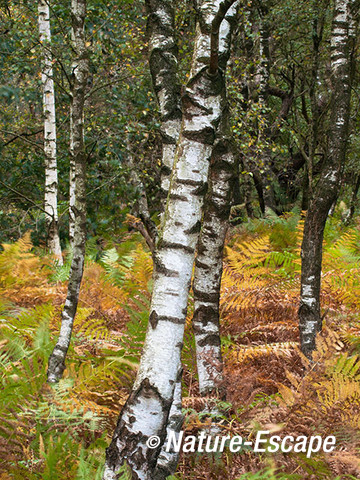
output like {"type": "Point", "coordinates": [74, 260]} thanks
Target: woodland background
{"type": "Point", "coordinates": [61, 432]}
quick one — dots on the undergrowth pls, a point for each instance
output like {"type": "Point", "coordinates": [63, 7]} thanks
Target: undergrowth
{"type": "Point", "coordinates": [61, 432]}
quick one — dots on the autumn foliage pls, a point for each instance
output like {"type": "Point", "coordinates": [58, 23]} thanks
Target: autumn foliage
{"type": "Point", "coordinates": [270, 385]}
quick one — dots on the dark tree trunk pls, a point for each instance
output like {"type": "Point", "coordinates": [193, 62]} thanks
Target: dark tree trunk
{"type": "Point", "coordinates": [327, 187]}
{"type": "Point", "coordinates": [353, 202]}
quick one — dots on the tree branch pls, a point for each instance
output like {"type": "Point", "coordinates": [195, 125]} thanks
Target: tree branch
{"type": "Point", "coordinates": [138, 225]}
{"type": "Point", "coordinates": [214, 39]}
{"type": "Point", "coordinates": [25, 197]}
{"type": "Point", "coordinates": [22, 137]}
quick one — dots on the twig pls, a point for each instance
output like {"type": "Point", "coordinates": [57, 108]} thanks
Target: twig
{"type": "Point", "coordinates": [25, 197]}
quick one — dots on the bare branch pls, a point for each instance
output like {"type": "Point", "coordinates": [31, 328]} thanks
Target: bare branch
{"type": "Point", "coordinates": [138, 225]}
{"type": "Point", "coordinates": [214, 39]}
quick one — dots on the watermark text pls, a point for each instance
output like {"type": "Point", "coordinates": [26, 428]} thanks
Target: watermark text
{"type": "Point", "coordinates": [263, 442]}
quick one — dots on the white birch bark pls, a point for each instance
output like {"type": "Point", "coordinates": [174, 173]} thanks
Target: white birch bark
{"type": "Point", "coordinates": [147, 409]}
{"type": "Point", "coordinates": [79, 81]}
{"type": "Point", "coordinates": [325, 193]}
{"type": "Point", "coordinates": [51, 173]}
{"type": "Point", "coordinates": [208, 270]}
{"type": "Point", "coordinates": [208, 263]}
{"type": "Point", "coordinates": [163, 64]}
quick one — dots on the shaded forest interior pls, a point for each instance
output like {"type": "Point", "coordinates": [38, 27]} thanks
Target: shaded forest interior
{"type": "Point", "coordinates": [180, 236]}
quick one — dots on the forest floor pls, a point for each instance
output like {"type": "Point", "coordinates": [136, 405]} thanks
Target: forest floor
{"type": "Point", "coordinates": [61, 432]}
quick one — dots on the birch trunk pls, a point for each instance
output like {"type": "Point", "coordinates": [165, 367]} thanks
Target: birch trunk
{"type": "Point", "coordinates": [208, 269]}
{"type": "Point", "coordinates": [208, 263]}
{"type": "Point", "coordinates": [51, 174]}
{"type": "Point", "coordinates": [72, 187]}
{"type": "Point", "coordinates": [163, 67]}
{"type": "Point", "coordinates": [327, 187]}
{"type": "Point", "coordinates": [79, 81]}
{"type": "Point", "coordinates": [147, 409]}
{"type": "Point", "coordinates": [163, 62]}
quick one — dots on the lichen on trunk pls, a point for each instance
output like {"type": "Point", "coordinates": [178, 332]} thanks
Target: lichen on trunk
{"type": "Point", "coordinates": [327, 188]}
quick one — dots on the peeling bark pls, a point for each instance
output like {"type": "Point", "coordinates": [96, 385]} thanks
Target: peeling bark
{"type": "Point", "coordinates": [327, 187]}
{"type": "Point", "coordinates": [51, 173]}
{"type": "Point", "coordinates": [79, 80]}
{"type": "Point", "coordinates": [147, 410]}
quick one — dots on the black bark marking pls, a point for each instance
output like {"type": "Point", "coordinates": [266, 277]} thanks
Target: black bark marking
{"type": "Point", "coordinates": [194, 229]}
{"type": "Point", "coordinates": [184, 181]}
{"type": "Point", "coordinates": [201, 190]}
{"type": "Point", "coordinates": [153, 319]}
{"type": "Point", "coordinates": [205, 296]}
{"type": "Point", "coordinates": [192, 107]}
{"type": "Point", "coordinates": [206, 135]}
{"type": "Point", "coordinates": [205, 315]}
{"type": "Point", "coordinates": [177, 246]}
{"type": "Point", "coordinates": [160, 268]}
{"type": "Point", "coordinates": [212, 340]}
{"type": "Point", "coordinates": [175, 320]}
{"type": "Point", "coordinates": [165, 170]}
{"type": "Point", "coordinates": [200, 264]}
{"type": "Point", "coordinates": [176, 196]}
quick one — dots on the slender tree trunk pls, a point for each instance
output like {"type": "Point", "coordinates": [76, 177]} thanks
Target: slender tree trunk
{"type": "Point", "coordinates": [353, 202]}
{"type": "Point", "coordinates": [147, 409]}
{"type": "Point", "coordinates": [79, 82]}
{"type": "Point", "coordinates": [143, 223]}
{"type": "Point", "coordinates": [51, 174]}
{"type": "Point", "coordinates": [72, 178]}
{"type": "Point", "coordinates": [164, 68]}
{"type": "Point", "coordinates": [208, 269]}
{"type": "Point", "coordinates": [266, 178]}
{"type": "Point", "coordinates": [163, 63]}
{"type": "Point", "coordinates": [327, 187]}
{"type": "Point", "coordinates": [208, 263]}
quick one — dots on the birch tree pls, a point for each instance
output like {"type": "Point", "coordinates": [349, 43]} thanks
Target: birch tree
{"type": "Point", "coordinates": [80, 70]}
{"type": "Point", "coordinates": [147, 408]}
{"type": "Point", "coordinates": [208, 262]}
{"type": "Point", "coordinates": [208, 267]}
{"type": "Point", "coordinates": [326, 191]}
{"type": "Point", "coordinates": [163, 63]}
{"type": "Point", "coordinates": [51, 172]}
